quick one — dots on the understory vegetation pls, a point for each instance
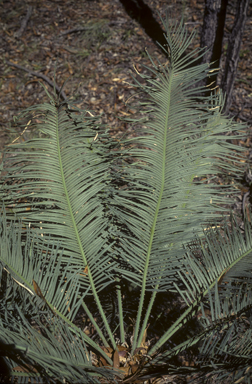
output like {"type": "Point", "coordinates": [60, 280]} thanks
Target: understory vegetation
{"type": "Point", "coordinates": [120, 259]}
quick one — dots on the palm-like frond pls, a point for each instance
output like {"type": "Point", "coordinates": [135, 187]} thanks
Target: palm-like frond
{"type": "Point", "coordinates": [66, 172]}
{"type": "Point", "coordinates": [57, 175]}
{"type": "Point", "coordinates": [167, 200]}
{"type": "Point", "coordinates": [46, 348]}
{"type": "Point", "coordinates": [39, 280]}
{"type": "Point", "coordinates": [95, 213]}
{"type": "Point", "coordinates": [222, 301]}
{"type": "Point", "coordinates": [225, 262]}
{"type": "Point", "coordinates": [182, 143]}
{"type": "Point", "coordinates": [226, 346]}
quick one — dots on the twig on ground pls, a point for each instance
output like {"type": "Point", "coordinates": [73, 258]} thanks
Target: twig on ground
{"type": "Point", "coordinates": [79, 29]}
{"type": "Point", "coordinates": [24, 22]}
{"type": "Point", "coordinates": [40, 75]}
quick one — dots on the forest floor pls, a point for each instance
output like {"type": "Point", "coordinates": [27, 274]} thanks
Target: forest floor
{"type": "Point", "coordinates": [97, 47]}
{"type": "Point", "coordinates": [98, 60]}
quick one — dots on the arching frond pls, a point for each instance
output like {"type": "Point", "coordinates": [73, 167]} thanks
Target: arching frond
{"type": "Point", "coordinates": [61, 193]}
{"type": "Point", "coordinates": [43, 350]}
{"type": "Point", "coordinates": [90, 213]}
{"type": "Point", "coordinates": [38, 281]}
{"type": "Point", "coordinates": [170, 194]}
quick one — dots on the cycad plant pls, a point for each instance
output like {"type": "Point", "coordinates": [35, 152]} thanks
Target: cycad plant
{"type": "Point", "coordinates": [100, 236]}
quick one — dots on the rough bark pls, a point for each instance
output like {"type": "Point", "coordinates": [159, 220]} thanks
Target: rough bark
{"type": "Point", "coordinates": [233, 51]}
{"type": "Point", "coordinates": [212, 33]}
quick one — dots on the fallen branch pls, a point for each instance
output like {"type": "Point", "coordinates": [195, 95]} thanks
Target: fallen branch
{"type": "Point", "coordinates": [40, 75]}
{"type": "Point", "coordinates": [24, 22]}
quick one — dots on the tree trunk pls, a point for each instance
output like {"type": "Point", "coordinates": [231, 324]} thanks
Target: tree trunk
{"type": "Point", "coordinates": [233, 51]}
{"type": "Point", "coordinates": [212, 34]}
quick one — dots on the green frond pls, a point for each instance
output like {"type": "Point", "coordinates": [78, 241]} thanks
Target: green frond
{"type": "Point", "coordinates": [226, 350]}
{"type": "Point", "coordinates": [58, 290]}
{"type": "Point", "coordinates": [168, 198]}
{"type": "Point", "coordinates": [170, 194]}
{"type": "Point", "coordinates": [54, 173]}
{"type": "Point", "coordinates": [221, 299]}
{"type": "Point", "coordinates": [84, 213]}
{"type": "Point", "coordinates": [222, 343]}
{"type": "Point", "coordinates": [224, 260]}
{"type": "Point", "coordinates": [62, 187]}
{"type": "Point", "coordinates": [50, 351]}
